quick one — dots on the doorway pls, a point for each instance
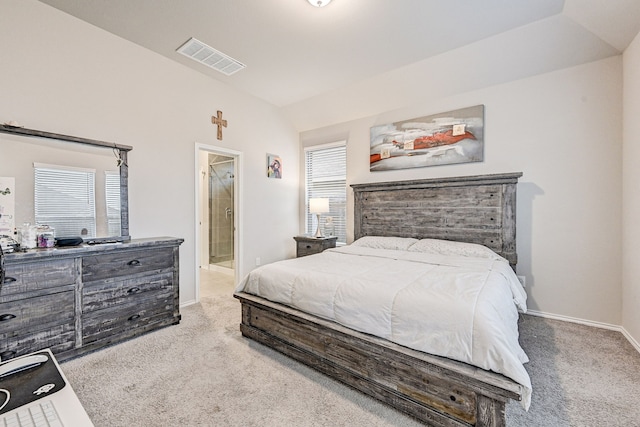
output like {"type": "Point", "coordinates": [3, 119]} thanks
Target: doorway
{"type": "Point", "coordinates": [217, 220]}
{"type": "Point", "coordinates": [221, 176]}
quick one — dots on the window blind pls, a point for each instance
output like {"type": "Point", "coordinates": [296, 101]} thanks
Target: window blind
{"type": "Point", "coordinates": [65, 199]}
{"type": "Point", "coordinates": [326, 177]}
{"type": "Point", "coordinates": [112, 195]}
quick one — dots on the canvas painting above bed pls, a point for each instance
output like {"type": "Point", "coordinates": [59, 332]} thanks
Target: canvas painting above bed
{"type": "Point", "coordinates": [439, 139]}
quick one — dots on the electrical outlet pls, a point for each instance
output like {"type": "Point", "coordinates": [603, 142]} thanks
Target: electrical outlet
{"type": "Point", "coordinates": [523, 281]}
{"type": "Point", "coordinates": [257, 261]}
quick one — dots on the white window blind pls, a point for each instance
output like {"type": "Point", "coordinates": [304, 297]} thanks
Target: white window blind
{"type": "Point", "coordinates": [326, 177]}
{"type": "Point", "coordinates": [112, 195]}
{"type": "Point", "coordinates": [65, 200]}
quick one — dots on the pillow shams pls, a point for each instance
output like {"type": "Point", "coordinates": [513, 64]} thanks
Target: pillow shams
{"type": "Point", "coordinates": [448, 247]}
{"type": "Point", "coordinates": [384, 242]}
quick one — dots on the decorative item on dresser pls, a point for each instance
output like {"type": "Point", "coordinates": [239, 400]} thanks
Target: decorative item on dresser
{"type": "Point", "coordinates": [306, 245]}
{"type": "Point", "coordinates": [437, 390]}
{"type": "Point", "coordinates": [78, 299]}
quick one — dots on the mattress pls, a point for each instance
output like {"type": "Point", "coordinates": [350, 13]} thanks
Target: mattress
{"type": "Point", "coordinates": [460, 304]}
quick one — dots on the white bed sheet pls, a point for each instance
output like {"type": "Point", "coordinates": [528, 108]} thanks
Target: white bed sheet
{"type": "Point", "coordinates": [461, 308]}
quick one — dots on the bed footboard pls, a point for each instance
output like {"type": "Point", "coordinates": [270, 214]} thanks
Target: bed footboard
{"type": "Point", "coordinates": [435, 390]}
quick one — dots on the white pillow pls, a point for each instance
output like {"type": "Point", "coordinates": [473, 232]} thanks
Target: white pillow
{"type": "Point", "coordinates": [448, 247]}
{"type": "Point", "coordinates": [383, 242]}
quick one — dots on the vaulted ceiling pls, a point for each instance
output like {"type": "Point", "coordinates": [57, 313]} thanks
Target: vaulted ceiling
{"type": "Point", "coordinates": [296, 54]}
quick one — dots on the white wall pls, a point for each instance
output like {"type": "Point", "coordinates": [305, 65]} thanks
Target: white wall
{"type": "Point", "coordinates": [563, 130]}
{"type": "Point", "coordinates": [62, 75]}
{"type": "Point", "coordinates": [631, 191]}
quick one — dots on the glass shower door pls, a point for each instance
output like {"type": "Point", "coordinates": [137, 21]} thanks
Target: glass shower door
{"type": "Point", "coordinates": [221, 214]}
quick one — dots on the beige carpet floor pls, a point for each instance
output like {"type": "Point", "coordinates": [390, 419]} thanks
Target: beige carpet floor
{"type": "Point", "coordinates": [202, 372]}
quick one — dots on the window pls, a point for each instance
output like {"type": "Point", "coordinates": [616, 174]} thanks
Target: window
{"type": "Point", "coordinates": [112, 196]}
{"type": "Point", "coordinates": [326, 177]}
{"type": "Point", "coordinates": [65, 199]}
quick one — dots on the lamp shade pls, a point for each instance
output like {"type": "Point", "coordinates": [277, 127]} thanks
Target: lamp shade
{"type": "Point", "coordinates": [318, 205]}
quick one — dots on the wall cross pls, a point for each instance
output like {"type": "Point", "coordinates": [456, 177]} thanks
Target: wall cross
{"type": "Point", "coordinates": [217, 120]}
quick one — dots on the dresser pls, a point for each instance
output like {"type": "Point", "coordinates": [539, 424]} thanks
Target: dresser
{"type": "Point", "coordinates": [78, 299]}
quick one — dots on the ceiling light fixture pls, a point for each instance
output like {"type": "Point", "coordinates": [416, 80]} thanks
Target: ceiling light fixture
{"type": "Point", "coordinates": [319, 3]}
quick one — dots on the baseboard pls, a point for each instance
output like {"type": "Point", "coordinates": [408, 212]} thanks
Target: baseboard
{"type": "Point", "coordinates": [600, 325]}
{"type": "Point", "coordinates": [631, 339]}
{"type": "Point", "coordinates": [187, 303]}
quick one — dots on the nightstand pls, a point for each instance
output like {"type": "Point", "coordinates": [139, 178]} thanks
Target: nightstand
{"type": "Point", "coordinates": [307, 245]}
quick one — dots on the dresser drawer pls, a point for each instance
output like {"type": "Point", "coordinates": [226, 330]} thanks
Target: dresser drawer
{"type": "Point", "coordinates": [125, 263]}
{"type": "Point", "coordinates": [32, 313]}
{"type": "Point", "coordinates": [59, 338]}
{"type": "Point", "coordinates": [33, 276]}
{"type": "Point", "coordinates": [109, 293]}
{"type": "Point", "coordinates": [133, 312]}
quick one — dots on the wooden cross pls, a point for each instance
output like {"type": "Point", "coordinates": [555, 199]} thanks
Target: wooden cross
{"type": "Point", "coordinates": [217, 120]}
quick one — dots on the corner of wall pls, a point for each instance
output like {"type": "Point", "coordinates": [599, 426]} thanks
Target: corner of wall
{"type": "Point", "coordinates": [630, 193]}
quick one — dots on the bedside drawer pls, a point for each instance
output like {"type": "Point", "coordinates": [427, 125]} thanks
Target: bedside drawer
{"type": "Point", "coordinates": [125, 263]}
{"type": "Point", "coordinates": [32, 313]}
{"type": "Point", "coordinates": [33, 276]}
{"type": "Point", "coordinates": [311, 245]}
{"type": "Point", "coordinates": [308, 248]}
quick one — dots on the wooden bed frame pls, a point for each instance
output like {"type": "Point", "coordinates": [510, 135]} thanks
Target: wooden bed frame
{"type": "Point", "coordinates": [435, 390]}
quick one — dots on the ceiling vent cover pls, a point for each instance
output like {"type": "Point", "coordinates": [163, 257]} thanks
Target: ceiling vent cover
{"type": "Point", "coordinates": [210, 57]}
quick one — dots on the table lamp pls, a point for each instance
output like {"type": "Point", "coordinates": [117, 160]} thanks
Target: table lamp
{"type": "Point", "coordinates": [318, 206]}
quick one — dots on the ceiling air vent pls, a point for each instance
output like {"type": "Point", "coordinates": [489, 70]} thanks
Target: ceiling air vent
{"type": "Point", "coordinates": [210, 57]}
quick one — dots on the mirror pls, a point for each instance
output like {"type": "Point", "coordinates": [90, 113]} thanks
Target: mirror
{"type": "Point", "coordinates": [23, 150]}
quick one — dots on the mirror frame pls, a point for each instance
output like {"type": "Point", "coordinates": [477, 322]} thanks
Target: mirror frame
{"type": "Point", "coordinates": [121, 152]}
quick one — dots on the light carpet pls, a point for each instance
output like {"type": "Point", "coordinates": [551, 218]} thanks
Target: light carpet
{"type": "Point", "coordinates": [202, 372]}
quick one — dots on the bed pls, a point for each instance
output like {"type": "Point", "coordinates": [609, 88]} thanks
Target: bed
{"type": "Point", "coordinates": [410, 237]}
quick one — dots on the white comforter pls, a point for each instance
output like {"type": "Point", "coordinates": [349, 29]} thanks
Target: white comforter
{"type": "Point", "coordinates": [458, 307]}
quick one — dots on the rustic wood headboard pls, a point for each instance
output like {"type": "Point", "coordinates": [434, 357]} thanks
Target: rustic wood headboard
{"type": "Point", "coordinates": [475, 209]}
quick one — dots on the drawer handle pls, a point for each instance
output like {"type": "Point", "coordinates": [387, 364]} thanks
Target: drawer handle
{"type": "Point", "coordinates": [10, 279]}
{"type": "Point", "coordinates": [133, 290]}
{"type": "Point", "coordinates": [7, 354]}
{"type": "Point", "coordinates": [133, 262]}
{"type": "Point", "coordinates": [308, 246]}
{"type": "Point", "coordinates": [7, 316]}
{"type": "Point", "coordinates": [134, 317]}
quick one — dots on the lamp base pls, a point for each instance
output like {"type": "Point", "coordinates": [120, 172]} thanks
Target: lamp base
{"type": "Point", "coordinates": [318, 232]}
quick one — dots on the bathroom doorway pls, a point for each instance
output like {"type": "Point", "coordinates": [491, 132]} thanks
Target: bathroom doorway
{"type": "Point", "coordinates": [221, 177]}
{"type": "Point", "coordinates": [218, 219]}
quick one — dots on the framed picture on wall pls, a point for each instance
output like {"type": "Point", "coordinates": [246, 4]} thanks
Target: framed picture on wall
{"type": "Point", "coordinates": [274, 166]}
{"type": "Point", "coordinates": [440, 139]}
